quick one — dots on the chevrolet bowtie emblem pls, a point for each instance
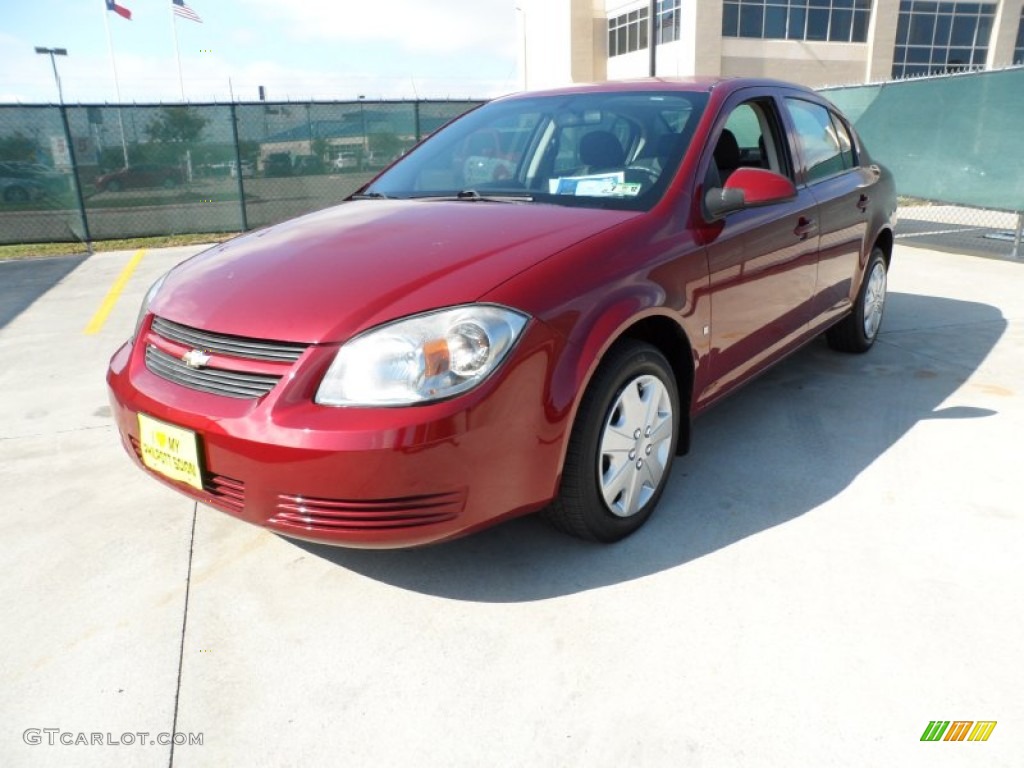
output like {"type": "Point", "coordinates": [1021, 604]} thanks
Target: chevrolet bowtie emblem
{"type": "Point", "coordinates": [195, 358]}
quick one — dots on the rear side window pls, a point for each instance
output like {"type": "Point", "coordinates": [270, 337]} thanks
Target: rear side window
{"type": "Point", "coordinates": [845, 141]}
{"type": "Point", "coordinates": [824, 143]}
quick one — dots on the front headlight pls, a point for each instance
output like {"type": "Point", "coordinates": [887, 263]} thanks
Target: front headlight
{"type": "Point", "coordinates": [423, 358]}
{"type": "Point", "coordinates": [150, 295]}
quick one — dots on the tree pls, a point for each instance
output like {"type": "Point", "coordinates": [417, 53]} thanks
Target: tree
{"type": "Point", "coordinates": [384, 147]}
{"type": "Point", "coordinates": [17, 146]}
{"type": "Point", "coordinates": [176, 125]}
{"type": "Point", "coordinates": [319, 147]}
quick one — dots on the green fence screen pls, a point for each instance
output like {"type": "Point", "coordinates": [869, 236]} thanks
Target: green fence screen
{"type": "Point", "coordinates": [956, 139]}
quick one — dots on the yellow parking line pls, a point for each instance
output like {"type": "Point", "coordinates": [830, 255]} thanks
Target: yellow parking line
{"type": "Point", "coordinates": [113, 294]}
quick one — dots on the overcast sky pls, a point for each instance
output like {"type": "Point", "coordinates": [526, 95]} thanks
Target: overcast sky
{"type": "Point", "coordinates": [324, 49]}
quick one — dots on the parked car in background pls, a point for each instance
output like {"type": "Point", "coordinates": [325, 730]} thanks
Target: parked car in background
{"type": "Point", "coordinates": [248, 169]}
{"type": "Point", "coordinates": [462, 342]}
{"type": "Point", "coordinates": [277, 164]}
{"type": "Point", "coordinates": [308, 165]}
{"type": "Point", "coordinates": [140, 176]}
{"type": "Point", "coordinates": [21, 181]}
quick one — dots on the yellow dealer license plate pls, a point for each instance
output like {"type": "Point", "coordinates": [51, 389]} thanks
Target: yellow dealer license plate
{"type": "Point", "coordinates": [171, 451]}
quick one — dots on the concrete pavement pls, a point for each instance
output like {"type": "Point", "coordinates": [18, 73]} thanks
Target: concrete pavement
{"type": "Point", "coordinates": [835, 565]}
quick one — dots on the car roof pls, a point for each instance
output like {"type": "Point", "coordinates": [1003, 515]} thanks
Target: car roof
{"type": "Point", "coordinates": [648, 84]}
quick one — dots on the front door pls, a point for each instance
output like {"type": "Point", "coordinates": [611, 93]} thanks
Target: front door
{"type": "Point", "coordinates": [762, 261]}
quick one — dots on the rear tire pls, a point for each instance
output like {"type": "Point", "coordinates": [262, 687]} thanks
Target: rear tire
{"type": "Point", "coordinates": [857, 331]}
{"type": "Point", "coordinates": [622, 445]}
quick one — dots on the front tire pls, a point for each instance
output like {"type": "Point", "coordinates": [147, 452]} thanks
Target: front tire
{"type": "Point", "coordinates": [857, 331]}
{"type": "Point", "coordinates": [622, 445]}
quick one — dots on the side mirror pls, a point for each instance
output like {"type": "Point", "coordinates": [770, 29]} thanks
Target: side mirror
{"type": "Point", "coordinates": [747, 188]}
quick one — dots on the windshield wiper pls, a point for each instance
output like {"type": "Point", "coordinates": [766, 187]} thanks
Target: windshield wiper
{"type": "Point", "coordinates": [371, 196]}
{"type": "Point", "coordinates": [472, 196]}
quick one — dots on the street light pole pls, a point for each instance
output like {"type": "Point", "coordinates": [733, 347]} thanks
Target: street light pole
{"type": "Point", "coordinates": [652, 38]}
{"type": "Point", "coordinates": [52, 53]}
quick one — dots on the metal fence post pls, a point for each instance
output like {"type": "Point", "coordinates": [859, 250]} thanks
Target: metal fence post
{"type": "Point", "coordinates": [1016, 239]}
{"type": "Point", "coordinates": [78, 181]}
{"type": "Point", "coordinates": [238, 168]}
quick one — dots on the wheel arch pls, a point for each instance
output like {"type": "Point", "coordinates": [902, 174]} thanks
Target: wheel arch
{"type": "Point", "coordinates": [656, 328]}
{"type": "Point", "coordinates": [669, 338]}
{"type": "Point", "coordinates": [885, 240]}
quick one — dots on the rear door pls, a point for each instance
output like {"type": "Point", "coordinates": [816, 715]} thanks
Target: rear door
{"type": "Point", "coordinates": [830, 167]}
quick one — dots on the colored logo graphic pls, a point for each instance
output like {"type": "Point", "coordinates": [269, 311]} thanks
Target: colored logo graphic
{"type": "Point", "coordinates": [958, 730]}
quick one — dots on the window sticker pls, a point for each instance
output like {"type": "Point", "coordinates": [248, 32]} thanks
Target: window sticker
{"type": "Point", "coordinates": [595, 185]}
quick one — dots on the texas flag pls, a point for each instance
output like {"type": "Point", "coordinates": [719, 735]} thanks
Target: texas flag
{"type": "Point", "coordinates": [120, 10]}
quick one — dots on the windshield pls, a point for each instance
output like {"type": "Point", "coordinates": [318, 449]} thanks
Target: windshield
{"type": "Point", "coordinates": [609, 150]}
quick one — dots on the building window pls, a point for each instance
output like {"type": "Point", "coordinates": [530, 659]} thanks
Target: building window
{"type": "Point", "coordinates": [628, 32]}
{"type": "Point", "coordinates": [1018, 49]}
{"type": "Point", "coordinates": [668, 21]}
{"type": "Point", "coordinates": [938, 37]}
{"type": "Point", "coordinates": [838, 21]}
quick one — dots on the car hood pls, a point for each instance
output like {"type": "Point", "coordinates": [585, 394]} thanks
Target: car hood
{"type": "Point", "coordinates": [329, 275]}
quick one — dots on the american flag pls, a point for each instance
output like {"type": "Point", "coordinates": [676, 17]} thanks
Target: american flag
{"type": "Point", "coordinates": [180, 9]}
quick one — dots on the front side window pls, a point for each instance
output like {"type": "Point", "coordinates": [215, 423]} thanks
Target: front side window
{"type": "Point", "coordinates": [825, 153]}
{"type": "Point", "coordinates": [839, 21]}
{"type": "Point", "coordinates": [608, 150]}
{"type": "Point", "coordinates": [749, 139]}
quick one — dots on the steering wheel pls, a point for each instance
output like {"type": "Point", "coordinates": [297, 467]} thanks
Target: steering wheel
{"type": "Point", "coordinates": [650, 177]}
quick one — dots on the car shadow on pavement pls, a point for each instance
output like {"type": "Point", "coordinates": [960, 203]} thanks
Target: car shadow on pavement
{"type": "Point", "coordinates": [790, 441]}
{"type": "Point", "coordinates": [24, 281]}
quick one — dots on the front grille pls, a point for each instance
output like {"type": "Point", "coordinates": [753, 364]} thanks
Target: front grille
{"type": "Point", "coordinates": [337, 515]}
{"type": "Point", "coordinates": [222, 344]}
{"type": "Point", "coordinates": [214, 380]}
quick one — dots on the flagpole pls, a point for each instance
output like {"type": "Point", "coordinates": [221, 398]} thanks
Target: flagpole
{"type": "Point", "coordinates": [117, 83]}
{"type": "Point", "coordinates": [177, 53]}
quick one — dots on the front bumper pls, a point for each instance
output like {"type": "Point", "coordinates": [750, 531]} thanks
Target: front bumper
{"type": "Point", "coordinates": [361, 477]}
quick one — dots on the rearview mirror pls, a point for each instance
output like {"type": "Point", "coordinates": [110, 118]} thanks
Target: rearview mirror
{"type": "Point", "coordinates": [747, 188]}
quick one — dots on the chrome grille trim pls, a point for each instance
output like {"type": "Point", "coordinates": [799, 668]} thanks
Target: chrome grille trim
{"type": "Point", "coordinates": [367, 514]}
{"type": "Point", "coordinates": [245, 386]}
{"type": "Point", "coordinates": [230, 493]}
{"type": "Point", "coordinates": [234, 346]}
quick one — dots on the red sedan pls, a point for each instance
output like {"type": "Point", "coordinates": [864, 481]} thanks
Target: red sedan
{"type": "Point", "coordinates": [139, 177]}
{"type": "Point", "coordinates": [468, 340]}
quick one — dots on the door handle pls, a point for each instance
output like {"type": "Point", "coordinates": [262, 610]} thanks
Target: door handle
{"type": "Point", "coordinates": [805, 228]}
{"type": "Point", "coordinates": [862, 203]}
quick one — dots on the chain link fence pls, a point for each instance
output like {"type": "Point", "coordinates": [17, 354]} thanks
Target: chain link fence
{"type": "Point", "coordinates": [960, 229]}
{"type": "Point", "coordinates": [82, 173]}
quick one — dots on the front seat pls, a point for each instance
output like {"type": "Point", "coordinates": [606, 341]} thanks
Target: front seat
{"type": "Point", "coordinates": [727, 154]}
{"type": "Point", "coordinates": [601, 151]}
